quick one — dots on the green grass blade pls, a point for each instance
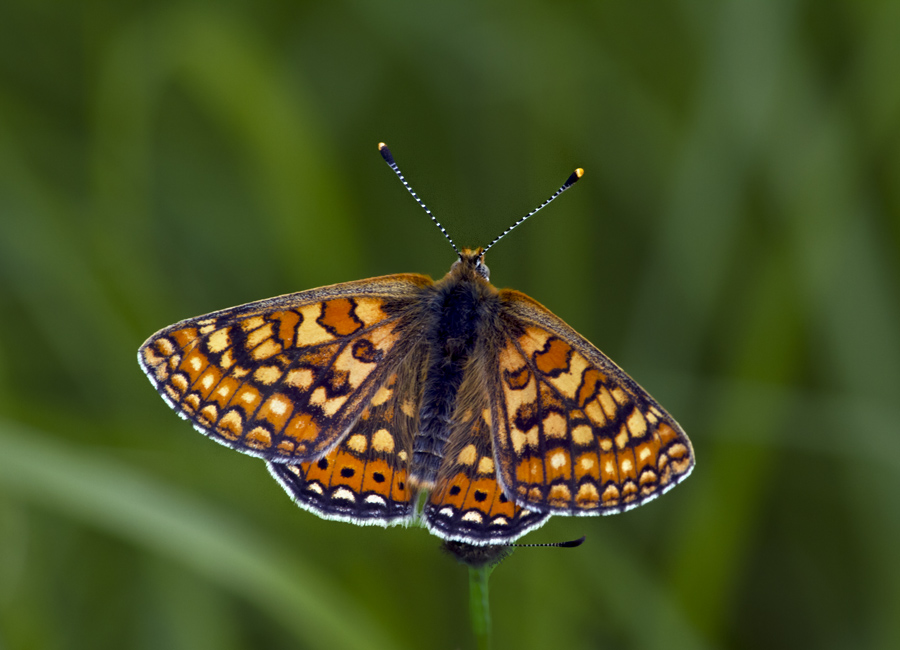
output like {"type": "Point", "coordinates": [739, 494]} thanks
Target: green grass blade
{"type": "Point", "coordinates": [109, 495]}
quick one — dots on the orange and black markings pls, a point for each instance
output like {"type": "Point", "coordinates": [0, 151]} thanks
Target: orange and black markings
{"type": "Point", "coordinates": [362, 395]}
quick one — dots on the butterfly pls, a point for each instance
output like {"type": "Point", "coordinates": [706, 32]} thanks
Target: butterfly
{"type": "Point", "coordinates": [399, 399]}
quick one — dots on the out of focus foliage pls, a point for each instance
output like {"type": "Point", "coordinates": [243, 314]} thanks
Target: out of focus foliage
{"type": "Point", "coordinates": [733, 245]}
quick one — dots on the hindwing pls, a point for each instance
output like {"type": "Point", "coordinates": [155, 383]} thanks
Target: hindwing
{"type": "Point", "coordinates": [364, 479]}
{"type": "Point", "coordinates": [467, 504]}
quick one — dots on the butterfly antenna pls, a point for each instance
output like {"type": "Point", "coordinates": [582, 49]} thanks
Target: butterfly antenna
{"type": "Point", "coordinates": [389, 159]}
{"type": "Point", "coordinates": [492, 554]}
{"type": "Point", "coordinates": [570, 544]}
{"type": "Point", "coordinates": [578, 173]}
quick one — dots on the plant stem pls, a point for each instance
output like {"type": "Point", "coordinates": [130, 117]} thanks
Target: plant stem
{"type": "Point", "coordinates": [479, 606]}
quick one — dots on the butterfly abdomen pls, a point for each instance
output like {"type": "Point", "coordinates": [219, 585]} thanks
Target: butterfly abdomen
{"type": "Point", "coordinates": [460, 306]}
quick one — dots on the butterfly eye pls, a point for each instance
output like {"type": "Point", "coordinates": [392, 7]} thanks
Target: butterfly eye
{"type": "Point", "coordinates": [482, 269]}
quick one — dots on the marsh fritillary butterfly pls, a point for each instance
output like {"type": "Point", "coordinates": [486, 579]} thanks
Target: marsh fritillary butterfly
{"type": "Point", "coordinates": [362, 396]}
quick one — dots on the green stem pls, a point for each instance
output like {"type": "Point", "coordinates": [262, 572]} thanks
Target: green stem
{"type": "Point", "coordinates": [479, 606]}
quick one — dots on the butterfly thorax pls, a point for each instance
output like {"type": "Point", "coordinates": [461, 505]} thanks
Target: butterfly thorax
{"type": "Point", "coordinates": [464, 304]}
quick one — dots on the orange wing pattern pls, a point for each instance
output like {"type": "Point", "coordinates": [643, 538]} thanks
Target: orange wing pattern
{"type": "Point", "coordinates": [467, 503]}
{"type": "Point", "coordinates": [362, 396]}
{"type": "Point", "coordinates": [329, 385]}
{"type": "Point", "coordinates": [573, 433]}
{"type": "Point", "coordinates": [284, 379]}
{"type": "Point", "coordinates": [364, 479]}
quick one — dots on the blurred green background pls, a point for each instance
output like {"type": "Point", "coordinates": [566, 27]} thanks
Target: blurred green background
{"type": "Point", "coordinates": [733, 245]}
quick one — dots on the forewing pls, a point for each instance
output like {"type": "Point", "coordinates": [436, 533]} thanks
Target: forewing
{"type": "Point", "coordinates": [467, 503]}
{"type": "Point", "coordinates": [574, 434]}
{"type": "Point", "coordinates": [364, 479]}
{"type": "Point", "coordinates": [284, 378]}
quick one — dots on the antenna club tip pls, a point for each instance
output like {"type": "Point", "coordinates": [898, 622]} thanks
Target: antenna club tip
{"type": "Point", "coordinates": [386, 153]}
{"type": "Point", "coordinates": [574, 176]}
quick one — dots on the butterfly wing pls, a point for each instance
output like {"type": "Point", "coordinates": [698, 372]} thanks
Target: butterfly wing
{"type": "Point", "coordinates": [285, 378]}
{"type": "Point", "coordinates": [364, 479]}
{"type": "Point", "coordinates": [573, 434]}
{"type": "Point", "coordinates": [467, 504]}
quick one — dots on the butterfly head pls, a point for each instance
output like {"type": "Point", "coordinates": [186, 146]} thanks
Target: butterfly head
{"type": "Point", "coordinates": [471, 265]}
